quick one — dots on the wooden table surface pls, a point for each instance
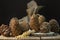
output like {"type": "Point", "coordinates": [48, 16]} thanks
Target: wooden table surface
{"type": "Point", "coordinates": [32, 38]}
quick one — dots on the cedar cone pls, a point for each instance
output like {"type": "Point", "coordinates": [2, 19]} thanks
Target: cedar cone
{"type": "Point", "coordinates": [54, 25]}
{"type": "Point", "coordinates": [45, 27]}
{"type": "Point", "coordinates": [34, 23]}
{"type": "Point", "coordinates": [15, 27]}
{"type": "Point", "coordinates": [41, 19]}
{"type": "Point", "coordinates": [24, 25]}
{"type": "Point", "coordinates": [5, 30]}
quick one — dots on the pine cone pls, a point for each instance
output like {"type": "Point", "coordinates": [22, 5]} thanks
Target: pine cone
{"type": "Point", "coordinates": [24, 25]}
{"type": "Point", "coordinates": [54, 25]}
{"type": "Point", "coordinates": [45, 27]}
{"type": "Point", "coordinates": [5, 30]}
{"type": "Point", "coordinates": [41, 19]}
{"type": "Point", "coordinates": [15, 27]}
{"type": "Point", "coordinates": [34, 23]}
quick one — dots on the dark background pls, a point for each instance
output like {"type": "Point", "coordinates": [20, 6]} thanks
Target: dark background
{"type": "Point", "coordinates": [17, 8]}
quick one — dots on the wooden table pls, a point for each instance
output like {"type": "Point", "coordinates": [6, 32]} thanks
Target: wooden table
{"type": "Point", "coordinates": [32, 38]}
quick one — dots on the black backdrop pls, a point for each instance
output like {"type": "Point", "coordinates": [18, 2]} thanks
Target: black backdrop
{"type": "Point", "coordinates": [17, 8]}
